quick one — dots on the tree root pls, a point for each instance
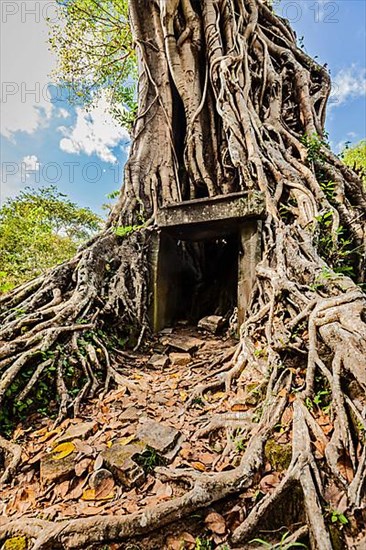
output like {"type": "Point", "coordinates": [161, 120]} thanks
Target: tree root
{"type": "Point", "coordinates": [15, 451]}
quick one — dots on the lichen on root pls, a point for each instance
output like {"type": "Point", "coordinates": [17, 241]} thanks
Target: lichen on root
{"type": "Point", "coordinates": [227, 102]}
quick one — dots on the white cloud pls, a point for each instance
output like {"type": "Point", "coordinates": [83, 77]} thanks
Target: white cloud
{"type": "Point", "coordinates": [95, 133]}
{"type": "Point", "coordinates": [348, 84]}
{"type": "Point", "coordinates": [63, 113]}
{"type": "Point", "coordinates": [340, 146]}
{"type": "Point", "coordinates": [30, 162]}
{"type": "Point", "coordinates": [29, 165]}
{"type": "Point", "coordinates": [25, 66]}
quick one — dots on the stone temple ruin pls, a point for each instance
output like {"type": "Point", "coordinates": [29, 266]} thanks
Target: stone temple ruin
{"type": "Point", "coordinates": [203, 257]}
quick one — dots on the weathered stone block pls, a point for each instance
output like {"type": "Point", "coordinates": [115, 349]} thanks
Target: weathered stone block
{"type": "Point", "coordinates": [52, 470]}
{"type": "Point", "coordinates": [158, 361]}
{"type": "Point", "coordinates": [184, 343]}
{"type": "Point", "coordinates": [180, 359]}
{"type": "Point", "coordinates": [158, 436]}
{"type": "Point", "coordinates": [78, 431]}
{"type": "Point", "coordinates": [119, 460]}
{"type": "Point", "coordinates": [212, 323]}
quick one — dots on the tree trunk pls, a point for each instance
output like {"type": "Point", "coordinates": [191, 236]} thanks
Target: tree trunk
{"type": "Point", "coordinates": [227, 102]}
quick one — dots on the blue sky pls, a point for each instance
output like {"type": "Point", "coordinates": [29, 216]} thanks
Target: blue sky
{"type": "Point", "coordinates": [46, 141]}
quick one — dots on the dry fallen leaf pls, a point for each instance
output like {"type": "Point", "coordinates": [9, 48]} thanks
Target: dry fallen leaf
{"type": "Point", "coordinates": [320, 448]}
{"type": "Point", "coordinates": [345, 467]}
{"type": "Point", "coordinates": [206, 458]}
{"type": "Point", "coordinates": [218, 395]}
{"type": "Point", "coordinates": [49, 435]}
{"type": "Point", "coordinates": [76, 489]}
{"type": "Point", "coordinates": [102, 482]}
{"type": "Point", "coordinates": [183, 395]}
{"type": "Point", "coordinates": [126, 440]}
{"type": "Point", "coordinates": [269, 483]}
{"type": "Point", "coordinates": [63, 488]}
{"type": "Point", "coordinates": [92, 510]}
{"type": "Point", "coordinates": [82, 466]}
{"type": "Point", "coordinates": [216, 523]}
{"type": "Point", "coordinates": [98, 462]}
{"type": "Point", "coordinates": [90, 494]}
{"type": "Point", "coordinates": [185, 452]}
{"type": "Point", "coordinates": [162, 490]}
{"type": "Point", "coordinates": [63, 450]}
{"type": "Point", "coordinates": [184, 540]}
{"type": "Point", "coordinates": [198, 466]}
{"type": "Point", "coordinates": [239, 407]}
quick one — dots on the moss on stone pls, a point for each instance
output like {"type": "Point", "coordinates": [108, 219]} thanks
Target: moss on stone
{"type": "Point", "coordinates": [254, 393]}
{"type": "Point", "coordinates": [278, 455]}
{"type": "Point", "coordinates": [16, 543]}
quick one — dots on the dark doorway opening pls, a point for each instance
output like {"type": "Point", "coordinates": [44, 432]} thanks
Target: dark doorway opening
{"type": "Point", "coordinates": [209, 278]}
{"type": "Point", "coordinates": [196, 278]}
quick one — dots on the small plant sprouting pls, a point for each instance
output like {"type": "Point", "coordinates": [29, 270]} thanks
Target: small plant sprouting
{"type": "Point", "coordinates": [282, 545]}
{"type": "Point", "coordinates": [338, 517]}
{"type": "Point", "coordinates": [126, 230]}
{"type": "Point", "coordinates": [197, 401]}
{"type": "Point", "coordinates": [203, 544]}
{"type": "Point", "coordinates": [149, 459]}
{"type": "Point", "coordinates": [329, 188]}
{"type": "Point", "coordinates": [240, 445]}
{"type": "Point", "coordinates": [314, 144]}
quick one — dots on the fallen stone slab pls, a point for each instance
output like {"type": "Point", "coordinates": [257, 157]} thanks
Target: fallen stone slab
{"type": "Point", "coordinates": [78, 431]}
{"type": "Point", "coordinates": [172, 453]}
{"type": "Point", "coordinates": [130, 414]}
{"type": "Point", "coordinates": [211, 323]}
{"type": "Point", "coordinates": [156, 435]}
{"type": "Point", "coordinates": [52, 470]}
{"type": "Point", "coordinates": [183, 343]}
{"type": "Point", "coordinates": [167, 331]}
{"type": "Point", "coordinates": [158, 360]}
{"type": "Point", "coordinates": [180, 359]}
{"type": "Point", "coordinates": [119, 460]}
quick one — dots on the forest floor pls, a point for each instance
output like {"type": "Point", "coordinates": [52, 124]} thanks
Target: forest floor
{"type": "Point", "coordinates": [111, 458]}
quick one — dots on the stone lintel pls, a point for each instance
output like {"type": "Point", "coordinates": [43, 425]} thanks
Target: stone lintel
{"type": "Point", "coordinates": [222, 208]}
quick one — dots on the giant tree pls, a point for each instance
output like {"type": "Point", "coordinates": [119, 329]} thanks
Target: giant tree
{"type": "Point", "coordinates": [226, 102]}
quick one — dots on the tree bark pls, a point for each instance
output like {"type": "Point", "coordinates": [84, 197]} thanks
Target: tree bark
{"type": "Point", "coordinates": [227, 102]}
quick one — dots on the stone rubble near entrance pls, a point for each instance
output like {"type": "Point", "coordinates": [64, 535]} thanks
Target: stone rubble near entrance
{"type": "Point", "coordinates": [212, 323]}
{"type": "Point", "coordinates": [184, 343]}
{"type": "Point", "coordinates": [180, 359]}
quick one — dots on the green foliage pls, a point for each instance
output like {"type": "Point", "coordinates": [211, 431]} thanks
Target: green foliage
{"type": "Point", "coordinates": [40, 399]}
{"type": "Point", "coordinates": [338, 517]}
{"type": "Point", "coordinates": [282, 545]}
{"type": "Point", "coordinates": [314, 144]}
{"type": "Point", "coordinates": [125, 230]}
{"type": "Point", "coordinates": [39, 229]}
{"type": "Point", "coordinates": [93, 44]}
{"type": "Point", "coordinates": [328, 187]}
{"type": "Point", "coordinates": [203, 544]}
{"type": "Point", "coordinates": [240, 445]}
{"type": "Point", "coordinates": [338, 252]}
{"type": "Point", "coordinates": [355, 158]}
{"type": "Point", "coordinates": [198, 402]}
{"type": "Point", "coordinates": [149, 459]}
